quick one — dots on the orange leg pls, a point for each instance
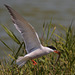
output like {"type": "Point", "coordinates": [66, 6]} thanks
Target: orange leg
{"type": "Point", "coordinates": [34, 63]}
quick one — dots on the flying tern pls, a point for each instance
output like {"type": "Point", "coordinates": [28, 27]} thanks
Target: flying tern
{"type": "Point", "coordinates": [33, 45]}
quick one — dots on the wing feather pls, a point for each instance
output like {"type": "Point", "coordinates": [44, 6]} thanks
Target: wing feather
{"type": "Point", "coordinates": [28, 33]}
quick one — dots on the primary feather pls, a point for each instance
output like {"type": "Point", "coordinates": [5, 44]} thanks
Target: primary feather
{"type": "Point", "coordinates": [28, 33]}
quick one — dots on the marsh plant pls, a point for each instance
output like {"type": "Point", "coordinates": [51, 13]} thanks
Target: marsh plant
{"type": "Point", "coordinates": [65, 43]}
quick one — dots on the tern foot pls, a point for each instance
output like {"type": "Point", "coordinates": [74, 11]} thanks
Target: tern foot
{"type": "Point", "coordinates": [34, 63]}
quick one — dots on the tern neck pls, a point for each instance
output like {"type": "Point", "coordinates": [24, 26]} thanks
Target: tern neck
{"type": "Point", "coordinates": [48, 50]}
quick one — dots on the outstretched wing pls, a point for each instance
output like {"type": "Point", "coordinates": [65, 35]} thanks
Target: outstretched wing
{"type": "Point", "coordinates": [28, 33]}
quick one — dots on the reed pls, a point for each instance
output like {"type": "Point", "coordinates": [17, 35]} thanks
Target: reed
{"type": "Point", "coordinates": [46, 64]}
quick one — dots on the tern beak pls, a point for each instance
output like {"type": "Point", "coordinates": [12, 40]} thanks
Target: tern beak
{"type": "Point", "coordinates": [57, 52]}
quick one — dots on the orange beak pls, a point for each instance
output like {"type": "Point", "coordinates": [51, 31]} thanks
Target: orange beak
{"type": "Point", "coordinates": [57, 52]}
{"type": "Point", "coordinates": [58, 55]}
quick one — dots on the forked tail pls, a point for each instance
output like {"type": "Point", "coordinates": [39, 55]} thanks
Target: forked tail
{"type": "Point", "coordinates": [21, 61]}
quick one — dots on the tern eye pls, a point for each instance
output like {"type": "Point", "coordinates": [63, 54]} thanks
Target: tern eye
{"type": "Point", "coordinates": [52, 47]}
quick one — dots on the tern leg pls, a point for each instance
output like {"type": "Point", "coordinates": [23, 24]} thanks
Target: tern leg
{"type": "Point", "coordinates": [34, 63]}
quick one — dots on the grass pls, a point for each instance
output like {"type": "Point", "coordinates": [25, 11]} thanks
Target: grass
{"type": "Point", "coordinates": [46, 64]}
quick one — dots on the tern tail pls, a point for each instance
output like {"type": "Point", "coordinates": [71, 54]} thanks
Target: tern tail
{"type": "Point", "coordinates": [21, 61]}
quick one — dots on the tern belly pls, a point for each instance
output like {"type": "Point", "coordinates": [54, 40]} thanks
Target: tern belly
{"type": "Point", "coordinates": [37, 53]}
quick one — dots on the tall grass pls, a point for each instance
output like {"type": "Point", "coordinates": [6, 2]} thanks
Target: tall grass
{"type": "Point", "coordinates": [46, 64]}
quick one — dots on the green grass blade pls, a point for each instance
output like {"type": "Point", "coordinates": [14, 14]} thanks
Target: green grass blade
{"type": "Point", "coordinates": [60, 37]}
{"type": "Point", "coordinates": [52, 33]}
{"type": "Point", "coordinates": [63, 27]}
{"type": "Point", "coordinates": [11, 57]}
{"type": "Point", "coordinates": [6, 45]}
{"type": "Point", "coordinates": [16, 55]}
{"type": "Point", "coordinates": [49, 26]}
{"type": "Point", "coordinates": [44, 28]}
{"type": "Point", "coordinates": [11, 34]}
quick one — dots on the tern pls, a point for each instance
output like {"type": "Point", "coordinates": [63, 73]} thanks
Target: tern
{"type": "Point", "coordinates": [33, 45]}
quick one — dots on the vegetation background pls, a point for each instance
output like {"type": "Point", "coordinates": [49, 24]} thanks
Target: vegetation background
{"type": "Point", "coordinates": [46, 64]}
{"type": "Point", "coordinates": [58, 32]}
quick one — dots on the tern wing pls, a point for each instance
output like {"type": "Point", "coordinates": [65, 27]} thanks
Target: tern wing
{"type": "Point", "coordinates": [28, 33]}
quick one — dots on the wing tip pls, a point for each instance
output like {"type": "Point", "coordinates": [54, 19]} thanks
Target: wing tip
{"type": "Point", "coordinates": [6, 6]}
{"type": "Point", "coordinates": [11, 11]}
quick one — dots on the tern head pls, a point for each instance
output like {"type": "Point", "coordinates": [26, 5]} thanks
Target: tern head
{"type": "Point", "coordinates": [54, 49]}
